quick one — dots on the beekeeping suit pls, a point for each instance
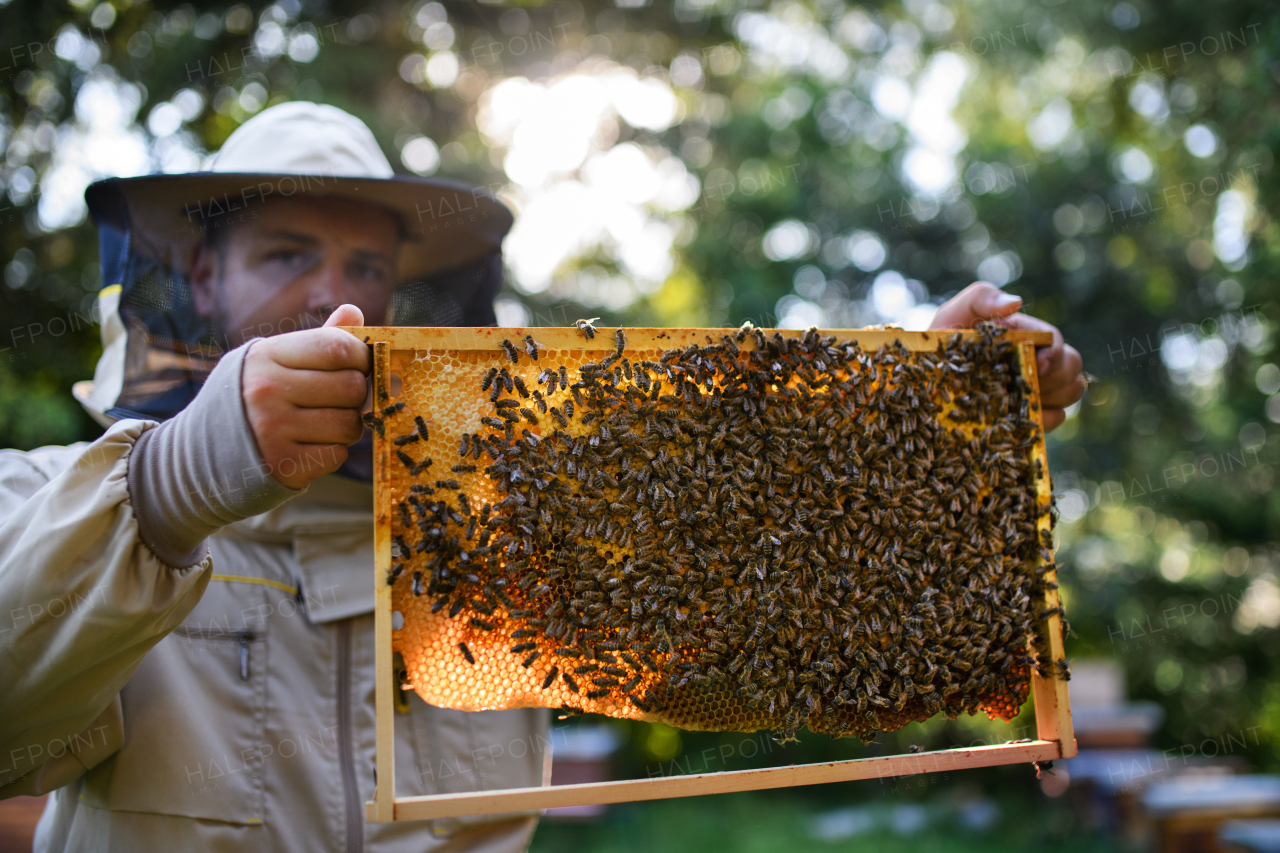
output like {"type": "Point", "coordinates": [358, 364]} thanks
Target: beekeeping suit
{"type": "Point", "coordinates": [186, 645]}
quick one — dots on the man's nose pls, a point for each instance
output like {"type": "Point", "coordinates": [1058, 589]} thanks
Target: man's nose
{"type": "Point", "coordinates": [326, 286]}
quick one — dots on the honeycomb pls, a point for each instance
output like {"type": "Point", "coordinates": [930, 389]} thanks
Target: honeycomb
{"type": "Point", "coordinates": [765, 532]}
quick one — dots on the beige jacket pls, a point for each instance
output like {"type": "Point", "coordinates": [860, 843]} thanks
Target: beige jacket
{"type": "Point", "coordinates": [228, 706]}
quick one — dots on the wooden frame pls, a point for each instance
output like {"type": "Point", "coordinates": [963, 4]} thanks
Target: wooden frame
{"type": "Point", "coordinates": [1055, 739]}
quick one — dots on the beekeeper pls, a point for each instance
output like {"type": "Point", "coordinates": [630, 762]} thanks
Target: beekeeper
{"type": "Point", "coordinates": [186, 630]}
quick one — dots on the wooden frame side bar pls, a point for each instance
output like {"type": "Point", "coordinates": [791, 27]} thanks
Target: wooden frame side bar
{"type": "Point", "coordinates": [1053, 709]}
{"type": "Point", "coordinates": [383, 806]}
{"type": "Point", "coordinates": [724, 782]}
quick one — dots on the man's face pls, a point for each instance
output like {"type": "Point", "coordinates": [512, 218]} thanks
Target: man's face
{"type": "Point", "coordinates": [295, 261]}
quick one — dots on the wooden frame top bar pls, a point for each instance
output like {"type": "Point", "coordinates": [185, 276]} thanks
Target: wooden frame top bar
{"type": "Point", "coordinates": [569, 338]}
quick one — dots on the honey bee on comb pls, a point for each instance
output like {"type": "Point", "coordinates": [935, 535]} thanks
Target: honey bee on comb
{"type": "Point", "coordinates": [762, 532]}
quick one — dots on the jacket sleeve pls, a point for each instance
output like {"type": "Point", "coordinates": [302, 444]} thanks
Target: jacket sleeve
{"type": "Point", "coordinates": [103, 553]}
{"type": "Point", "coordinates": [82, 600]}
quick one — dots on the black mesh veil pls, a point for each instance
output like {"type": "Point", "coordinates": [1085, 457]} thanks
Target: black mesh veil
{"type": "Point", "coordinates": [458, 297]}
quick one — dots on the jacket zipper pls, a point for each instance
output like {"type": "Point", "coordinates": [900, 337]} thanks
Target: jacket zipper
{"type": "Point", "coordinates": [243, 638]}
{"type": "Point", "coordinates": [346, 759]}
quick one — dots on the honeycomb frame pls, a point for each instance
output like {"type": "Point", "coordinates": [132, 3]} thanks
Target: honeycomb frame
{"type": "Point", "coordinates": [471, 351]}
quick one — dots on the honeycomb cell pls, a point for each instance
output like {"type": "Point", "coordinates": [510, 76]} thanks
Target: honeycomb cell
{"type": "Point", "coordinates": [758, 533]}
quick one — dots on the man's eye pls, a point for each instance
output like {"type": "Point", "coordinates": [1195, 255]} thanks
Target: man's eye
{"type": "Point", "coordinates": [368, 273]}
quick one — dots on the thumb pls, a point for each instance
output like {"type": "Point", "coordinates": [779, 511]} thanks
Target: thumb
{"type": "Point", "coordinates": [979, 301]}
{"type": "Point", "coordinates": [345, 315]}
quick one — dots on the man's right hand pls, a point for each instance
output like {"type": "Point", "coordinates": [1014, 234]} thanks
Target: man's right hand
{"type": "Point", "coordinates": [302, 393]}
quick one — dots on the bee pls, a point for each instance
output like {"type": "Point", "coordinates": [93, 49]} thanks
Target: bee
{"type": "Point", "coordinates": [394, 408]}
{"type": "Point", "coordinates": [598, 694]}
{"type": "Point", "coordinates": [586, 327]}
{"type": "Point", "coordinates": [529, 416]}
{"type": "Point", "coordinates": [463, 469]}
{"type": "Point", "coordinates": [394, 573]}
{"type": "Point", "coordinates": [551, 677]}
{"type": "Point", "coordinates": [422, 427]}
{"type": "Point", "coordinates": [488, 379]}
{"type": "Point", "coordinates": [620, 338]}
{"type": "Point", "coordinates": [564, 377]}
{"type": "Point", "coordinates": [1064, 669]}
{"type": "Point", "coordinates": [531, 347]}
{"type": "Point", "coordinates": [466, 653]}
{"type": "Point", "coordinates": [520, 648]}
{"type": "Point", "coordinates": [528, 662]}
{"type": "Point", "coordinates": [520, 386]}
{"type": "Point", "coordinates": [407, 461]}
{"type": "Point", "coordinates": [512, 352]}
{"type": "Point", "coordinates": [569, 682]}
{"type": "Point", "coordinates": [482, 624]}
{"type": "Point", "coordinates": [407, 439]}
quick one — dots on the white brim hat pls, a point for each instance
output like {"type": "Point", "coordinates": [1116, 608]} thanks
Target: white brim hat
{"type": "Point", "coordinates": [303, 149]}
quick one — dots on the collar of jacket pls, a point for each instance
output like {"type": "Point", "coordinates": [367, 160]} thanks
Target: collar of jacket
{"type": "Point", "coordinates": [330, 530]}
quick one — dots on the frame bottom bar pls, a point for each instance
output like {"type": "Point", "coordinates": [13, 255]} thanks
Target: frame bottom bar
{"type": "Point", "coordinates": [699, 784]}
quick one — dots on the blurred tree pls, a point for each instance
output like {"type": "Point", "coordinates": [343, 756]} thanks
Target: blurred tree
{"type": "Point", "coordinates": [792, 163]}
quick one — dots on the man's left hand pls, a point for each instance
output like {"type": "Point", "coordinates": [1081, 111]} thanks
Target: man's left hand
{"type": "Point", "coordinates": [1058, 365]}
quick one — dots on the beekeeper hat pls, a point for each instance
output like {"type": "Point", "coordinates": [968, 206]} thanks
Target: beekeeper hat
{"type": "Point", "coordinates": [158, 350]}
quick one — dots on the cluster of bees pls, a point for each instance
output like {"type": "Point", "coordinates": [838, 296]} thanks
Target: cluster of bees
{"type": "Point", "coordinates": [764, 532]}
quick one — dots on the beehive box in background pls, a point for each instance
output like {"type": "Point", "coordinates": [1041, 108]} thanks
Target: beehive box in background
{"type": "Point", "coordinates": [844, 530]}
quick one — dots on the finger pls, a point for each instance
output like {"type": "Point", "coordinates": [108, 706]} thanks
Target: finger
{"type": "Point", "coordinates": [1064, 395]}
{"type": "Point", "coordinates": [345, 315]}
{"type": "Point", "coordinates": [1064, 383]}
{"type": "Point", "coordinates": [1051, 419]}
{"type": "Point", "coordinates": [321, 426]}
{"type": "Point", "coordinates": [1048, 358]}
{"type": "Point", "coordinates": [979, 301]}
{"type": "Point", "coordinates": [319, 349]}
{"type": "Point", "coordinates": [312, 389]}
